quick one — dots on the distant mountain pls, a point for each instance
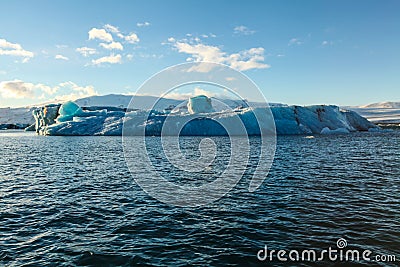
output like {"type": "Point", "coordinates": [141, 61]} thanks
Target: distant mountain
{"type": "Point", "coordinates": [383, 112]}
{"type": "Point", "coordinates": [382, 105]}
{"type": "Point", "coordinates": [16, 116]}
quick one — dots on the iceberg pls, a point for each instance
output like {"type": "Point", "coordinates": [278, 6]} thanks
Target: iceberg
{"type": "Point", "coordinates": [326, 130]}
{"type": "Point", "coordinates": [45, 117]}
{"type": "Point", "coordinates": [199, 104]}
{"type": "Point", "coordinates": [199, 119]}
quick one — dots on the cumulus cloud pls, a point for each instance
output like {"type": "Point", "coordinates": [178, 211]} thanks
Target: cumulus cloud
{"type": "Point", "coordinates": [112, 46]}
{"type": "Point", "coordinates": [16, 89]}
{"type": "Point", "coordinates": [114, 29]}
{"type": "Point", "coordinates": [61, 57]}
{"type": "Point", "coordinates": [132, 38]}
{"type": "Point", "coordinates": [244, 60]}
{"type": "Point", "coordinates": [112, 59]}
{"type": "Point", "coordinates": [201, 52]}
{"type": "Point", "coordinates": [143, 24]}
{"type": "Point", "coordinates": [248, 59]}
{"type": "Point", "coordinates": [100, 34]}
{"type": "Point", "coordinates": [61, 92]}
{"type": "Point", "coordinates": [77, 91]}
{"type": "Point", "coordinates": [14, 49]}
{"type": "Point", "coordinates": [46, 89]}
{"type": "Point", "coordinates": [109, 37]}
{"type": "Point", "coordinates": [86, 51]}
{"type": "Point", "coordinates": [111, 28]}
{"type": "Point", "coordinates": [243, 30]}
{"type": "Point", "coordinates": [21, 89]}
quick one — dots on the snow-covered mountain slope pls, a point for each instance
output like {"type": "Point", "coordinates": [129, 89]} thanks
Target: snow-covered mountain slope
{"type": "Point", "coordinates": [384, 112]}
{"type": "Point", "coordinates": [383, 105]}
{"type": "Point", "coordinates": [21, 116]}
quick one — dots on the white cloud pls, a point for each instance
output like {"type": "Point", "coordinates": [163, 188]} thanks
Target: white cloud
{"type": "Point", "coordinates": [295, 41]}
{"type": "Point", "coordinates": [106, 34]}
{"type": "Point", "coordinates": [77, 91]}
{"type": "Point", "coordinates": [245, 60]}
{"type": "Point", "coordinates": [201, 52]}
{"type": "Point", "coordinates": [21, 89]}
{"type": "Point", "coordinates": [47, 89]}
{"type": "Point", "coordinates": [171, 39]}
{"type": "Point", "coordinates": [16, 89]}
{"type": "Point", "coordinates": [61, 57]}
{"type": "Point", "coordinates": [14, 49]}
{"type": "Point", "coordinates": [132, 38]}
{"type": "Point", "coordinates": [111, 28]}
{"type": "Point", "coordinates": [86, 51]}
{"type": "Point", "coordinates": [115, 30]}
{"type": "Point", "coordinates": [143, 24]}
{"type": "Point", "coordinates": [66, 90]}
{"type": "Point", "coordinates": [243, 30]}
{"type": "Point", "coordinates": [112, 45]}
{"type": "Point", "coordinates": [100, 34]}
{"type": "Point", "coordinates": [112, 59]}
{"type": "Point", "coordinates": [248, 59]}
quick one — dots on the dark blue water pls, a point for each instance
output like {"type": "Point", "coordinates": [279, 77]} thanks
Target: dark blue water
{"type": "Point", "coordinates": [67, 201]}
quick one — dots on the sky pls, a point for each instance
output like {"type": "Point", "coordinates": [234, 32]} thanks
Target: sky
{"type": "Point", "coordinates": [297, 52]}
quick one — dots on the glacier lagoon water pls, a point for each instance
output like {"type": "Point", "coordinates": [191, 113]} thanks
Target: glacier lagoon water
{"type": "Point", "coordinates": [68, 201]}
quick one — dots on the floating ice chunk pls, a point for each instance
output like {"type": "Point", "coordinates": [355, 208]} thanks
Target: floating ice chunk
{"type": "Point", "coordinates": [326, 130]}
{"type": "Point", "coordinates": [199, 104]}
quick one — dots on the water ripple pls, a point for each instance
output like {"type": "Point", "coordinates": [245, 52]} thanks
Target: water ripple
{"type": "Point", "coordinates": [72, 201]}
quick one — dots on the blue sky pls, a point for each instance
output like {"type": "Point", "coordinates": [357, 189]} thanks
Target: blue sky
{"type": "Point", "coordinates": [297, 52]}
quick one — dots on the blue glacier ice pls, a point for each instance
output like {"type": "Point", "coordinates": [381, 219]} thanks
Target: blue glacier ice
{"type": "Point", "coordinates": [70, 119]}
{"type": "Point", "coordinates": [68, 110]}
